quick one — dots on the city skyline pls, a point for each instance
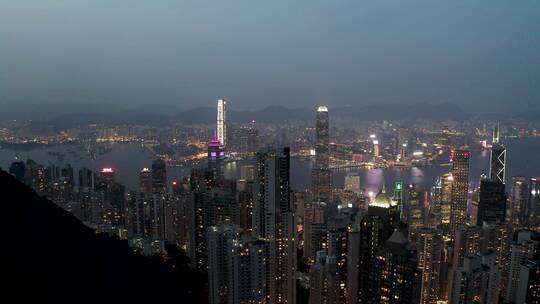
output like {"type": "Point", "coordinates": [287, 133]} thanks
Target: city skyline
{"type": "Point", "coordinates": [285, 152]}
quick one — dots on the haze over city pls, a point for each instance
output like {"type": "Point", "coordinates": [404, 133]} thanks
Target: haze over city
{"type": "Point", "coordinates": [482, 56]}
{"type": "Point", "coordinates": [279, 152]}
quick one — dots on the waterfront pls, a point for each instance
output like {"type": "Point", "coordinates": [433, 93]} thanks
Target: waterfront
{"type": "Point", "coordinates": [128, 159]}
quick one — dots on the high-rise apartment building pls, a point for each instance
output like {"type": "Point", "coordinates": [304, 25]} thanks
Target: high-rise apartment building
{"type": "Point", "coordinates": [274, 221]}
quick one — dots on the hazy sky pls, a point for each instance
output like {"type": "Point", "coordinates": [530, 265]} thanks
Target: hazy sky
{"type": "Point", "coordinates": [477, 54]}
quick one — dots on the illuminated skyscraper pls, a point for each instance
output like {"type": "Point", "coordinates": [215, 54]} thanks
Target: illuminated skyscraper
{"type": "Point", "coordinates": [321, 175]}
{"type": "Point", "coordinates": [222, 121]}
{"type": "Point", "coordinates": [497, 170]}
{"type": "Point", "coordinates": [460, 187]}
{"type": "Point", "coordinates": [216, 159]}
{"type": "Point", "coordinates": [107, 174]}
{"type": "Point", "coordinates": [145, 180]}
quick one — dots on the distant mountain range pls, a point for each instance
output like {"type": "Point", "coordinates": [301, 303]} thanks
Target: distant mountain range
{"type": "Point", "coordinates": [272, 114]}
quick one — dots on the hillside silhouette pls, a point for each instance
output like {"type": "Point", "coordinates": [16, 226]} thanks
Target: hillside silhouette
{"type": "Point", "coordinates": [49, 255]}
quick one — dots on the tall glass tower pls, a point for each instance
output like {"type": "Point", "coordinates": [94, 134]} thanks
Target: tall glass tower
{"type": "Point", "coordinates": [321, 176]}
{"type": "Point", "coordinates": [497, 169]}
{"type": "Point", "coordinates": [322, 158]}
{"type": "Point", "coordinates": [222, 121]}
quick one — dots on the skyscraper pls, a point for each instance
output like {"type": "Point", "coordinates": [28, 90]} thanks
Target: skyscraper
{"type": "Point", "coordinates": [518, 202]}
{"type": "Point", "coordinates": [145, 180]}
{"type": "Point", "coordinates": [18, 170]}
{"type": "Point", "coordinates": [375, 228]}
{"type": "Point", "coordinates": [222, 121]}
{"type": "Point", "coordinates": [429, 246]}
{"type": "Point", "coordinates": [460, 187]}
{"type": "Point", "coordinates": [492, 204]}
{"type": "Point", "coordinates": [274, 221]}
{"type": "Point", "coordinates": [497, 169]}
{"type": "Point", "coordinates": [321, 175]}
{"type": "Point", "coordinates": [216, 159]}
{"type": "Point", "coordinates": [159, 175]}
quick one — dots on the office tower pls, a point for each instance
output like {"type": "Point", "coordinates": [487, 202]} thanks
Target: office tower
{"type": "Point", "coordinates": [446, 182]}
{"type": "Point", "coordinates": [315, 229]}
{"type": "Point", "coordinates": [376, 149]}
{"type": "Point", "coordinates": [394, 277]}
{"type": "Point", "coordinates": [216, 159]}
{"type": "Point", "coordinates": [324, 280]}
{"type": "Point", "coordinates": [529, 276]}
{"type": "Point", "coordinates": [274, 220]}
{"type": "Point", "coordinates": [107, 175]}
{"type": "Point", "coordinates": [375, 227]}
{"type": "Point", "coordinates": [477, 281]}
{"type": "Point", "coordinates": [429, 249]}
{"type": "Point", "coordinates": [352, 183]}
{"type": "Point", "coordinates": [398, 197]}
{"type": "Point", "coordinates": [533, 203]}
{"type": "Point", "coordinates": [492, 203]}
{"type": "Point", "coordinates": [517, 209]}
{"type": "Point", "coordinates": [114, 205]}
{"type": "Point", "coordinates": [244, 197]}
{"type": "Point", "coordinates": [524, 247]}
{"type": "Point", "coordinates": [222, 121]}
{"type": "Point", "coordinates": [145, 180]}
{"type": "Point", "coordinates": [415, 212]}
{"type": "Point", "coordinates": [497, 169]}
{"type": "Point", "coordinates": [246, 139]}
{"type": "Point", "coordinates": [18, 170]}
{"type": "Point", "coordinates": [460, 188]}
{"type": "Point", "coordinates": [159, 176]}
{"type": "Point", "coordinates": [322, 176]}
{"type": "Point", "coordinates": [353, 263]}
{"type": "Point", "coordinates": [86, 179]}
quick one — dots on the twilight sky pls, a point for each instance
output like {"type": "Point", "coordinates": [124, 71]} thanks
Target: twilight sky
{"type": "Point", "coordinates": [481, 55]}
